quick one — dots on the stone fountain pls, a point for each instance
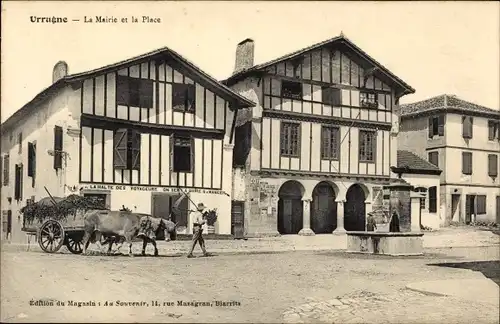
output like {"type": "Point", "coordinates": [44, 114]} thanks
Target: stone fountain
{"type": "Point", "coordinates": [402, 236]}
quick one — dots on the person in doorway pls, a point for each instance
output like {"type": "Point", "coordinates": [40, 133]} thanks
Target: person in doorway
{"type": "Point", "coordinates": [394, 224]}
{"type": "Point", "coordinates": [371, 226]}
{"type": "Point", "coordinates": [198, 221]}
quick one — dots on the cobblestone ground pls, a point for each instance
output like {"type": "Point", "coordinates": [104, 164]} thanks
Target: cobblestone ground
{"type": "Point", "coordinates": [402, 306]}
{"type": "Point", "coordinates": [291, 287]}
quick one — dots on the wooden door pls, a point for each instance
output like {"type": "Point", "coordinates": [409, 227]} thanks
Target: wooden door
{"type": "Point", "coordinates": [469, 208]}
{"type": "Point", "coordinates": [238, 219]}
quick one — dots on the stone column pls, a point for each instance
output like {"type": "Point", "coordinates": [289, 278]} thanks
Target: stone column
{"type": "Point", "coordinates": [306, 218]}
{"type": "Point", "coordinates": [340, 217]}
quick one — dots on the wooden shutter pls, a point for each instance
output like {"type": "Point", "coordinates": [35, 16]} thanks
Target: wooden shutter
{"type": "Point", "coordinates": [467, 163]}
{"type": "Point", "coordinates": [467, 127]}
{"type": "Point", "coordinates": [481, 205]}
{"type": "Point", "coordinates": [6, 166]}
{"type": "Point", "coordinates": [431, 128]}
{"type": "Point", "coordinates": [31, 159]}
{"type": "Point", "coordinates": [146, 93]}
{"type": "Point", "coordinates": [432, 199]}
{"type": "Point", "coordinates": [136, 150]}
{"type": "Point", "coordinates": [441, 125]}
{"type": "Point", "coordinates": [336, 97]}
{"type": "Point", "coordinates": [492, 165]}
{"type": "Point", "coordinates": [18, 184]}
{"type": "Point", "coordinates": [191, 98]}
{"type": "Point", "coordinates": [21, 182]}
{"type": "Point", "coordinates": [120, 149]}
{"type": "Point", "coordinates": [1, 170]}
{"type": "Point", "coordinates": [491, 130]}
{"type": "Point", "coordinates": [191, 152]}
{"type": "Point", "coordinates": [171, 148]}
{"type": "Point", "coordinates": [58, 147]}
{"type": "Point", "coordinates": [122, 91]}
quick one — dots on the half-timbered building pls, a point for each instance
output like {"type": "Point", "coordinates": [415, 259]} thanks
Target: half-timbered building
{"type": "Point", "coordinates": [317, 148]}
{"type": "Point", "coordinates": [134, 134]}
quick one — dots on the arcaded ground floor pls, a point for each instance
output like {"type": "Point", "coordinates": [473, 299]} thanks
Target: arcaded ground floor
{"type": "Point", "coordinates": [311, 287]}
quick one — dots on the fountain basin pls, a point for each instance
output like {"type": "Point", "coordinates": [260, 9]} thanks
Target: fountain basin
{"type": "Point", "coordinates": [386, 243]}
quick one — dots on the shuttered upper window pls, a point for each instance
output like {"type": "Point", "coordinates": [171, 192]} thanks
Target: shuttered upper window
{"type": "Point", "coordinates": [368, 99]}
{"type": "Point", "coordinates": [127, 149]}
{"type": "Point", "coordinates": [434, 158]}
{"type": "Point", "coordinates": [290, 139]}
{"type": "Point", "coordinates": [493, 130]}
{"type": "Point", "coordinates": [290, 89]}
{"type": "Point", "coordinates": [492, 165]}
{"type": "Point", "coordinates": [58, 147]}
{"type": "Point", "coordinates": [467, 123]}
{"type": "Point", "coordinates": [184, 97]}
{"type": "Point", "coordinates": [467, 162]}
{"type": "Point", "coordinates": [330, 143]}
{"type": "Point", "coordinates": [6, 161]}
{"type": "Point", "coordinates": [31, 159]}
{"type": "Point", "coordinates": [183, 154]}
{"type": "Point", "coordinates": [331, 96]}
{"type": "Point", "coordinates": [18, 185]}
{"type": "Point", "coordinates": [436, 126]}
{"type": "Point", "coordinates": [134, 92]}
{"type": "Point", "coordinates": [367, 146]}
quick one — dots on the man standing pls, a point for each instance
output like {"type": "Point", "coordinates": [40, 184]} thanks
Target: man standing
{"type": "Point", "coordinates": [198, 222]}
{"type": "Point", "coordinates": [370, 223]}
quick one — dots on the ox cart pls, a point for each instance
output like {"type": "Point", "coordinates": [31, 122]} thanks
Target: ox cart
{"type": "Point", "coordinates": [58, 221]}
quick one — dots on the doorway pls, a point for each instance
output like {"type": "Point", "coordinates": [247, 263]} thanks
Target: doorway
{"type": "Point", "coordinates": [162, 207]}
{"type": "Point", "coordinates": [237, 219]}
{"type": "Point", "coordinates": [455, 208]}
{"type": "Point", "coordinates": [355, 209]}
{"type": "Point", "coordinates": [290, 208]}
{"type": "Point", "coordinates": [323, 209]}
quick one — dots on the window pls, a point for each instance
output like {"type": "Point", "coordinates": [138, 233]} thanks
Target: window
{"type": "Point", "coordinates": [433, 199]}
{"type": "Point", "coordinates": [58, 147]}
{"type": "Point", "coordinates": [31, 159]}
{"type": "Point", "coordinates": [183, 97]}
{"type": "Point", "coordinates": [481, 205]}
{"type": "Point", "coordinates": [367, 146]}
{"type": "Point", "coordinates": [330, 142]}
{"type": "Point", "coordinates": [436, 126]}
{"type": "Point", "coordinates": [331, 96]}
{"type": "Point", "coordinates": [467, 123]}
{"type": "Point", "coordinates": [467, 162]}
{"type": "Point", "coordinates": [6, 170]}
{"type": "Point", "coordinates": [127, 149]}
{"type": "Point", "coordinates": [20, 142]}
{"type": "Point", "coordinates": [492, 165]}
{"type": "Point", "coordinates": [183, 154]}
{"type": "Point", "coordinates": [134, 92]}
{"type": "Point", "coordinates": [422, 203]}
{"type": "Point", "coordinates": [368, 99]}
{"type": "Point", "coordinates": [290, 89]}
{"type": "Point", "coordinates": [18, 185]}
{"type": "Point", "coordinates": [493, 130]}
{"type": "Point", "coordinates": [290, 139]}
{"type": "Point", "coordinates": [434, 158]}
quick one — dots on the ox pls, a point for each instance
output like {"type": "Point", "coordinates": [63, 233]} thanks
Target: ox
{"type": "Point", "coordinates": [123, 226]}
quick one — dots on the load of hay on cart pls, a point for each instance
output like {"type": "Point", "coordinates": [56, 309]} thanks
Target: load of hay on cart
{"type": "Point", "coordinates": [58, 221]}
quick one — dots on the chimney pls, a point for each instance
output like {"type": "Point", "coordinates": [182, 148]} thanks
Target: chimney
{"type": "Point", "coordinates": [244, 55]}
{"type": "Point", "coordinates": [60, 71]}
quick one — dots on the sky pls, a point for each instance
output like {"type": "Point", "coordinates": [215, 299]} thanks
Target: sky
{"type": "Point", "coordinates": [436, 47]}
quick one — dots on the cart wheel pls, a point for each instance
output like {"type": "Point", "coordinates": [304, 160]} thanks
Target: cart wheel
{"type": "Point", "coordinates": [51, 236]}
{"type": "Point", "coordinates": [74, 243]}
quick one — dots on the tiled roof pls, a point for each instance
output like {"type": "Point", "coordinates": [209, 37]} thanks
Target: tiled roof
{"type": "Point", "coordinates": [411, 161]}
{"type": "Point", "coordinates": [339, 39]}
{"type": "Point", "coordinates": [72, 78]}
{"type": "Point", "coordinates": [446, 102]}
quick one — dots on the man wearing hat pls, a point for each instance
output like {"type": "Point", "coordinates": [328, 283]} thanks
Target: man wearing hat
{"type": "Point", "coordinates": [370, 223]}
{"type": "Point", "coordinates": [198, 221]}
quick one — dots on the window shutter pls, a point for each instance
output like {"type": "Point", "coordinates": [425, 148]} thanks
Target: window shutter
{"type": "Point", "coordinates": [491, 131]}
{"type": "Point", "coordinates": [6, 166]}
{"type": "Point", "coordinates": [31, 161]}
{"type": "Point", "coordinates": [466, 163]}
{"type": "Point", "coordinates": [336, 97]}
{"type": "Point", "coordinates": [179, 94]}
{"type": "Point", "coordinates": [191, 97]}
{"type": "Point", "coordinates": [21, 182]}
{"type": "Point", "coordinates": [471, 128]}
{"type": "Point", "coordinates": [441, 125]}
{"type": "Point", "coordinates": [146, 93]}
{"type": "Point", "coordinates": [492, 165]}
{"type": "Point", "coordinates": [1, 169]}
{"type": "Point", "coordinates": [191, 152]}
{"type": "Point", "coordinates": [136, 150]}
{"type": "Point", "coordinates": [431, 133]}
{"type": "Point", "coordinates": [171, 148]}
{"type": "Point", "coordinates": [58, 147]}
{"type": "Point", "coordinates": [467, 127]}
{"type": "Point", "coordinates": [122, 91]}
{"type": "Point", "coordinates": [120, 149]}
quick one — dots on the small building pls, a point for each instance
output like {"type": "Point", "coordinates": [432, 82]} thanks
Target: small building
{"type": "Point", "coordinates": [135, 133]}
{"type": "Point", "coordinates": [317, 148]}
{"type": "Point", "coordinates": [423, 176]}
{"type": "Point", "coordinates": [462, 139]}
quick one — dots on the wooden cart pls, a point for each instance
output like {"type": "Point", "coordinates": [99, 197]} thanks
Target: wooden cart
{"type": "Point", "coordinates": [52, 234]}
